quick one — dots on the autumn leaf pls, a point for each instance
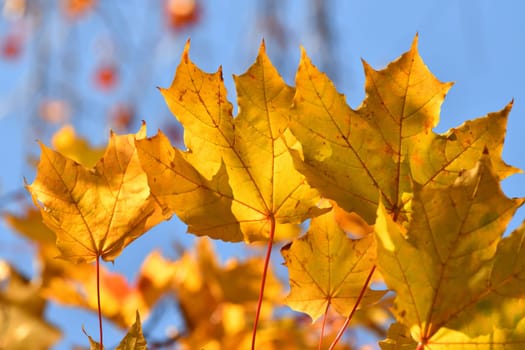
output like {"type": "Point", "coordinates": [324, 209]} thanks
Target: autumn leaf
{"type": "Point", "coordinates": [236, 181]}
{"type": "Point", "coordinates": [95, 212]}
{"type": "Point", "coordinates": [351, 156]}
{"type": "Point", "coordinates": [458, 284]}
{"type": "Point", "coordinates": [327, 268]}
{"type": "Point", "coordinates": [134, 339]}
{"type": "Point", "coordinates": [439, 158]}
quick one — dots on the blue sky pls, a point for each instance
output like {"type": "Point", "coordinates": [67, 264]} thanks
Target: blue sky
{"type": "Point", "coordinates": [478, 44]}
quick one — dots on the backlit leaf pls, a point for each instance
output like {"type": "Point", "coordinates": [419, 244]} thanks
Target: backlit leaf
{"type": "Point", "coordinates": [351, 156]}
{"type": "Point", "coordinates": [236, 180]}
{"type": "Point", "coordinates": [439, 158]}
{"type": "Point", "coordinates": [134, 339]}
{"type": "Point", "coordinates": [456, 287]}
{"type": "Point", "coordinates": [95, 212]}
{"type": "Point", "coordinates": [328, 268]}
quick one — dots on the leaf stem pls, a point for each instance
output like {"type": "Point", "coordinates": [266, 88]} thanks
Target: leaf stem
{"type": "Point", "coordinates": [98, 302]}
{"type": "Point", "coordinates": [263, 279]}
{"type": "Point", "coordinates": [358, 301]}
{"type": "Point", "coordinates": [323, 326]}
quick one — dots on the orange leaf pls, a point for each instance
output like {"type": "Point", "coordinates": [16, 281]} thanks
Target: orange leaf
{"type": "Point", "coordinates": [236, 180]}
{"type": "Point", "coordinates": [95, 212]}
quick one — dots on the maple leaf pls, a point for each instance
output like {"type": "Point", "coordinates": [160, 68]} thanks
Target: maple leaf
{"type": "Point", "coordinates": [352, 155]}
{"type": "Point", "coordinates": [439, 158]}
{"type": "Point", "coordinates": [236, 180]}
{"type": "Point", "coordinates": [327, 268]}
{"type": "Point", "coordinates": [134, 339]}
{"type": "Point", "coordinates": [95, 212]}
{"type": "Point", "coordinates": [458, 283]}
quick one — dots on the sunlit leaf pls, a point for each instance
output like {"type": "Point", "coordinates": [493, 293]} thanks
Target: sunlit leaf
{"type": "Point", "coordinates": [236, 180]}
{"type": "Point", "coordinates": [95, 212]}
{"type": "Point", "coordinates": [456, 287]}
{"type": "Point", "coordinates": [351, 156]}
{"type": "Point", "coordinates": [134, 339]}
{"type": "Point", "coordinates": [327, 268]}
{"type": "Point", "coordinates": [439, 158]}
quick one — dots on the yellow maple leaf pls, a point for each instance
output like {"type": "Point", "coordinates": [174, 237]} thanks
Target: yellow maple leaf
{"type": "Point", "coordinates": [95, 212]}
{"type": "Point", "coordinates": [439, 158]}
{"type": "Point", "coordinates": [459, 285]}
{"type": "Point", "coordinates": [134, 339]}
{"type": "Point", "coordinates": [358, 157]}
{"type": "Point", "coordinates": [236, 181]}
{"type": "Point", "coordinates": [327, 268]}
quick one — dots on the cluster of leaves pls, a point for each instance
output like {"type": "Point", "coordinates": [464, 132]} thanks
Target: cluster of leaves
{"type": "Point", "coordinates": [428, 211]}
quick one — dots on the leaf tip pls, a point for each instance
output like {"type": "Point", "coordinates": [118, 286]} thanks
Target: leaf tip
{"type": "Point", "coordinates": [142, 130]}
{"type": "Point", "coordinates": [185, 53]}
{"type": "Point", "coordinates": [414, 42]}
{"type": "Point", "coordinates": [367, 67]}
{"type": "Point", "coordinates": [262, 47]}
{"type": "Point", "coordinates": [137, 317]}
{"type": "Point", "coordinates": [304, 55]}
{"type": "Point", "coordinates": [509, 106]}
